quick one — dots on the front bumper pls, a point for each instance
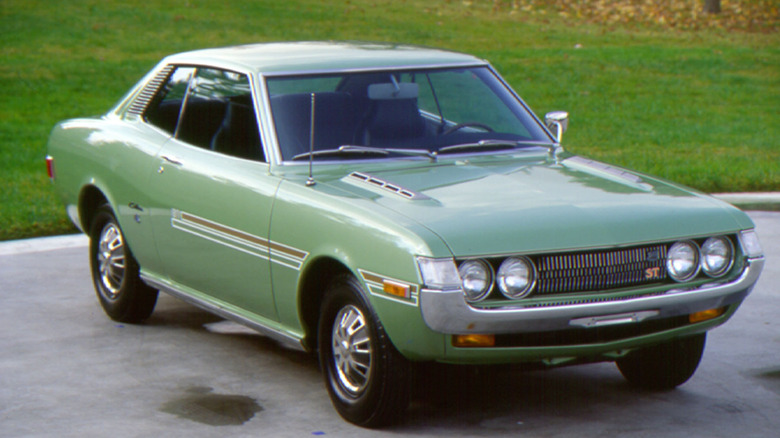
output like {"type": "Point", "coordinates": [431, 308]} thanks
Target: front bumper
{"type": "Point", "coordinates": [448, 312]}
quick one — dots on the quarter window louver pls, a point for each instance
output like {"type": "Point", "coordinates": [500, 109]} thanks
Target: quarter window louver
{"type": "Point", "coordinates": [148, 92]}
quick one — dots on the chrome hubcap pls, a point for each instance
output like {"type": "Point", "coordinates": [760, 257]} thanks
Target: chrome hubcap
{"type": "Point", "coordinates": [111, 260]}
{"type": "Point", "coordinates": [352, 350]}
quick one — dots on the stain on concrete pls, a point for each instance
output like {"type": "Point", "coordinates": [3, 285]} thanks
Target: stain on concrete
{"type": "Point", "coordinates": [769, 378]}
{"type": "Point", "coordinates": [202, 405]}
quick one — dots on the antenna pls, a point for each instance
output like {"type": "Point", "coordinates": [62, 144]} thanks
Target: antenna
{"type": "Point", "coordinates": [310, 182]}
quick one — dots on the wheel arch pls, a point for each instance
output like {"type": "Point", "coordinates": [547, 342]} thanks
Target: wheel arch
{"type": "Point", "coordinates": [314, 281]}
{"type": "Point", "coordinates": [90, 199]}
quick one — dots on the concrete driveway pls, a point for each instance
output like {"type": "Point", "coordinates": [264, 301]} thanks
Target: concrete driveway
{"type": "Point", "coordinates": [68, 371]}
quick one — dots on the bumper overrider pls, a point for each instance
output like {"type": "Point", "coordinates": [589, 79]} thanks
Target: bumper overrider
{"type": "Point", "coordinates": [446, 311]}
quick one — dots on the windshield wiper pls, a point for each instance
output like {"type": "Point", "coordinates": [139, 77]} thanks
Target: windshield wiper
{"type": "Point", "coordinates": [413, 152]}
{"type": "Point", "coordinates": [494, 144]}
{"type": "Point", "coordinates": [354, 149]}
{"type": "Point", "coordinates": [409, 152]}
{"type": "Point", "coordinates": [342, 150]}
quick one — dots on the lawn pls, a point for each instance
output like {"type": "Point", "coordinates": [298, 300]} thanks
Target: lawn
{"type": "Point", "coordinates": [694, 103]}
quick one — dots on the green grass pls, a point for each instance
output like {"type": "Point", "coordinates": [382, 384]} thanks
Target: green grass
{"type": "Point", "coordinates": [700, 108]}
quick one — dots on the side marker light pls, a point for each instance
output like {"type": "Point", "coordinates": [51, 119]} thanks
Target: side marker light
{"type": "Point", "coordinates": [395, 289]}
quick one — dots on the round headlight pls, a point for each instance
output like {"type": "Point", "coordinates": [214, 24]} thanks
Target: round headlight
{"type": "Point", "coordinates": [476, 278]}
{"type": "Point", "coordinates": [682, 261]}
{"type": "Point", "coordinates": [717, 254]}
{"type": "Point", "coordinates": [516, 277]}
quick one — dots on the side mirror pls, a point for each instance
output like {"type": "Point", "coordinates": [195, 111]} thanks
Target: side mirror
{"type": "Point", "coordinates": [557, 122]}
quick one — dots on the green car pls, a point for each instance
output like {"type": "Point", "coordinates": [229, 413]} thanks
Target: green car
{"type": "Point", "coordinates": [388, 205]}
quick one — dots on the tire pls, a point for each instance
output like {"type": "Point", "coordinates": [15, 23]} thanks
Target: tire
{"type": "Point", "coordinates": [121, 292]}
{"type": "Point", "coordinates": [367, 378]}
{"type": "Point", "coordinates": [664, 366]}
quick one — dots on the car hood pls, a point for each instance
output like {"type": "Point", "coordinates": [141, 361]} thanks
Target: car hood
{"type": "Point", "coordinates": [511, 205]}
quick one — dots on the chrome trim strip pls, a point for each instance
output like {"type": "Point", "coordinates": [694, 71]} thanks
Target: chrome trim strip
{"type": "Point", "coordinates": [448, 312]}
{"type": "Point", "coordinates": [286, 338]}
{"type": "Point", "coordinates": [607, 320]}
{"type": "Point", "coordinates": [267, 126]}
{"type": "Point", "coordinates": [379, 68]}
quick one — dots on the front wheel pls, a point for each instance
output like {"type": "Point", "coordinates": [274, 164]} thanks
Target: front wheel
{"type": "Point", "coordinates": [121, 292]}
{"type": "Point", "coordinates": [664, 366]}
{"type": "Point", "coordinates": [367, 378]}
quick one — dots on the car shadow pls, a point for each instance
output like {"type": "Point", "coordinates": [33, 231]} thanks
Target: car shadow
{"type": "Point", "coordinates": [172, 312]}
{"type": "Point", "coordinates": [507, 398]}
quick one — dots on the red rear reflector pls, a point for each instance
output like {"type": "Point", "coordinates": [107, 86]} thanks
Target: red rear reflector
{"type": "Point", "coordinates": [50, 166]}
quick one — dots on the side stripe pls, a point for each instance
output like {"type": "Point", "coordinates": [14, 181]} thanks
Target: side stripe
{"type": "Point", "coordinates": [239, 240]}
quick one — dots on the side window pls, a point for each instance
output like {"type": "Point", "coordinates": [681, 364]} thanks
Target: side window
{"type": "Point", "coordinates": [208, 108]}
{"type": "Point", "coordinates": [218, 114]}
{"type": "Point", "coordinates": [166, 106]}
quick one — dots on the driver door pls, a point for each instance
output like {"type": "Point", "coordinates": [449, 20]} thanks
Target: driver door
{"type": "Point", "coordinates": [213, 194]}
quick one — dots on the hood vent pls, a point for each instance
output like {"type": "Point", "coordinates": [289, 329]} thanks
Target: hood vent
{"type": "Point", "coordinates": [386, 185]}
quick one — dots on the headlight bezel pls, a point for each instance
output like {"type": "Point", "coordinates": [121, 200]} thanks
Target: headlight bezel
{"type": "Point", "coordinates": [501, 275]}
{"type": "Point", "coordinates": [729, 258]}
{"type": "Point", "coordinates": [673, 271]}
{"type": "Point", "coordinates": [476, 266]}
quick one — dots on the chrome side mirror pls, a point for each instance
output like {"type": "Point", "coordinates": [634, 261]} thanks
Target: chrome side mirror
{"type": "Point", "coordinates": [557, 122]}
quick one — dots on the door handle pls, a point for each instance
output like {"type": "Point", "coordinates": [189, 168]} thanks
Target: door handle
{"type": "Point", "coordinates": [173, 160]}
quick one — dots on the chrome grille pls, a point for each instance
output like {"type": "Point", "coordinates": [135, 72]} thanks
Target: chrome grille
{"type": "Point", "coordinates": [580, 272]}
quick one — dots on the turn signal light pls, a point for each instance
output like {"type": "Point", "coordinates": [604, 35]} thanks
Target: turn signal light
{"type": "Point", "coordinates": [705, 315]}
{"type": "Point", "coordinates": [399, 290]}
{"type": "Point", "coordinates": [473, 341]}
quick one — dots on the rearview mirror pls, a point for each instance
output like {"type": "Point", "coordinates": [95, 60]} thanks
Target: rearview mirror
{"type": "Point", "coordinates": [395, 90]}
{"type": "Point", "coordinates": [557, 122]}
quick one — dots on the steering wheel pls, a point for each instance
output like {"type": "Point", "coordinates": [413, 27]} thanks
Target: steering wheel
{"type": "Point", "coordinates": [460, 126]}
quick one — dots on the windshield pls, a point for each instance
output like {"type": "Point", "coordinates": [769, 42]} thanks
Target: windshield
{"type": "Point", "coordinates": [406, 113]}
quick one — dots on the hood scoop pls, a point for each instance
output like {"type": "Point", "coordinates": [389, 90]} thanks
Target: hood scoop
{"type": "Point", "coordinates": [387, 186]}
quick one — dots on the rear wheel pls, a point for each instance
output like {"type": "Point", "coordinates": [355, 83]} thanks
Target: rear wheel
{"type": "Point", "coordinates": [663, 366]}
{"type": "Point", "coordinates": [367, 378]}
{"type": "Point", "coordinates": [121, 292]}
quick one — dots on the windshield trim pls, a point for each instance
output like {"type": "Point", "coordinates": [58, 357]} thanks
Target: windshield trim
{"type": "Point", "coordinates": [372, 69]}
{"type": "Point", "coordinates": [444, 158]}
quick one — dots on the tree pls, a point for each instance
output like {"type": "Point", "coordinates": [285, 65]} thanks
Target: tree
{"type": "Point", "coordinates": [712, 6]}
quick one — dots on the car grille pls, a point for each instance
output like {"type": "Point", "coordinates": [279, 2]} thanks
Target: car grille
{"type": "Point", "coordinates": [582, 272]}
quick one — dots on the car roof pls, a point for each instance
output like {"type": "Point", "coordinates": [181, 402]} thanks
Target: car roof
{"type": "Point", "coordinates": [322, 56]}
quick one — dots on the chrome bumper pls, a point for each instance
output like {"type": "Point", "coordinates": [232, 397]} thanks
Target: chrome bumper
{"type": "Point", "coordinates": [448, 312]}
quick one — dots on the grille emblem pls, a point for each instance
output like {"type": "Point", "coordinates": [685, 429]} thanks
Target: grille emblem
{"type": "Point", "coordinates": [653, 273]}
